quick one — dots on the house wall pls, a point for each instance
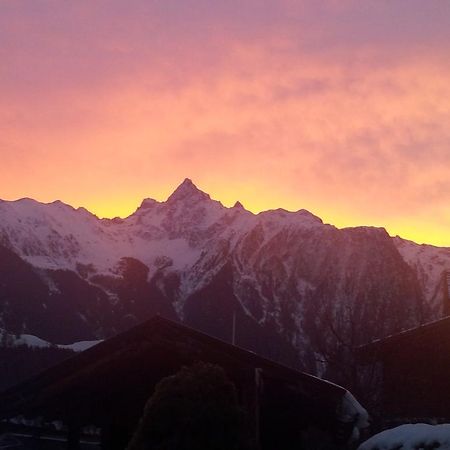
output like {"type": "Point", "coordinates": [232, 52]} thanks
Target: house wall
{"type": "Point", "coordinates": [416, 376]}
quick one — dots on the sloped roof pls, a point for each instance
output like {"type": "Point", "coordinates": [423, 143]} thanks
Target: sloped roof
{"type": "Point", "coordinates": [124, 363]}
{"type": "Point", "coordinates": [440, 326]}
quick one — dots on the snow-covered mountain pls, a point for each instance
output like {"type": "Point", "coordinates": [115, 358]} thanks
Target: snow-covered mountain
{"type": "Point", "coordinates": [66, 275]}
{"type": "Point", "coordinates": [432, 267]}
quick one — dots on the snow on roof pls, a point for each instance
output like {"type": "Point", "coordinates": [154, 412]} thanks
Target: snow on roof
{"type": "Point", "coordinates": [351, 411]}
{"type": "Point", "coordinates": [410, 437]}
{"type": "Point", "coordinates": [351, 408]}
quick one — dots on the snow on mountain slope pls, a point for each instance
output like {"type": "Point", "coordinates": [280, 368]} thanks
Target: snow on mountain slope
{"type": "Point", "coordinates": [280, 273]}
{"type": "Point", "coordinates": [57, 236]}
{"type": "Point", "coordinates": [52, 236]}
{"type": "Point", "coordinates": [432, 266]}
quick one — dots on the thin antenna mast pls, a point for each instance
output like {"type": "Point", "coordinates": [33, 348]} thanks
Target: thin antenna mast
{"type": "Point", "coordinates": [233, 335]}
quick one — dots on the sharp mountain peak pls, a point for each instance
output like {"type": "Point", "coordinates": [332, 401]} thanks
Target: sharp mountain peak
{"type": "Point", "coordinates": [187, 190]}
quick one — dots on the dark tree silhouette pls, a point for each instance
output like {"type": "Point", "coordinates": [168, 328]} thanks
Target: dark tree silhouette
{"type": "Point", "coordinates": [195, 409]}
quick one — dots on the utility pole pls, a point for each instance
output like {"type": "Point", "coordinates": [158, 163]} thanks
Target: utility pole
{"type": "Point", "coordinates": [233, 335]}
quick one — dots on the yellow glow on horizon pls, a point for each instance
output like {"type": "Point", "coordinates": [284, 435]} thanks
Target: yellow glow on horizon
{"type": "Point", "coordinates": [421, 232]}
{"type": "Point", "coordinates": [366, 146]}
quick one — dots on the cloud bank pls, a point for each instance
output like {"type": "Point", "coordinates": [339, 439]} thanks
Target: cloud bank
{"type": "Point", "coordinates": [340, 107]}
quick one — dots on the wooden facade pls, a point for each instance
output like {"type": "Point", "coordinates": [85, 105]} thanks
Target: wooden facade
{"type": "Point", "coordinates": [108, 385]}
{"type": "Point", "coordinates": [415, 368]}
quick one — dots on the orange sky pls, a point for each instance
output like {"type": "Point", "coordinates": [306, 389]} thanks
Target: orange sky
{"type": "Point", "coordinates": [342, 108]}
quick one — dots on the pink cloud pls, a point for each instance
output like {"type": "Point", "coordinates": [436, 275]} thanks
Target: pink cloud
{"type": "Point", "coordinates": [340, 107]}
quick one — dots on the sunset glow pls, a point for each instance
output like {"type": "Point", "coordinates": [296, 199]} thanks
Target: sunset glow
{"type": "Point", "coordinates": [338, 107]}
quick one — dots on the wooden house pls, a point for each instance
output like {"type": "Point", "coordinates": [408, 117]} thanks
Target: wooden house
{"type": "Point", "coordinates": [108, 385]}
{"type": "Point", "coordinates": [415, 372]}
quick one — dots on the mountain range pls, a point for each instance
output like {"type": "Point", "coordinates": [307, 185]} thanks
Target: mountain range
{"type": "Point", "coordinates": [296, 289]}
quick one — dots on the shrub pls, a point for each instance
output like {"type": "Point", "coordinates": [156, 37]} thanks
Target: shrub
{"type": "Point", "coordinates": [195, 409]}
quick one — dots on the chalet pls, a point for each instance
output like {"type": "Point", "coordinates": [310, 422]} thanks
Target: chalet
{"type": "Point", "coordinates": [415, 372]}
{"type": "Point", "coordinates": [415, 368]}
{"type": "Point", "coordinates": [107, 386]}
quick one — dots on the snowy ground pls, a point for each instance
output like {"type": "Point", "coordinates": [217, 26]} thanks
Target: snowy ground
{"type": "Point", "coordinates": [411, 437]}
{"type": "Point", "coordinates": [25, 442]}
{"type": "Point", "coordinates": [34, 341]}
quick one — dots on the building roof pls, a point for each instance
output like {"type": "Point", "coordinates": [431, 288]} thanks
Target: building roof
{"type": "Point", "coordinates": [127, 365]}
{"type": "Point", "coordinates": [369, 351]}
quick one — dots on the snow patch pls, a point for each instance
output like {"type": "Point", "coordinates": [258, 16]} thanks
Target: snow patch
{"type": "Point", "coordinates": [410, 437]}
{"type": "Point", "coordinates": [350, 410]}
{"type": "Point", "coordinates": [80, 346]}
{"type": "Point", "coordinates": [35, 342]}
{"type": "Point", "coordinates": [30, 341]}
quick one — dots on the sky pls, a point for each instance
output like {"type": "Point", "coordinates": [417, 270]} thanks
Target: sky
{"type": "Point", "coordinates": [341, 107]}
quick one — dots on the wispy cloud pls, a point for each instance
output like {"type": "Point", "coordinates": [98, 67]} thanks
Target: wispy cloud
{"type": "Point", "coordinates": [338, 106]}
